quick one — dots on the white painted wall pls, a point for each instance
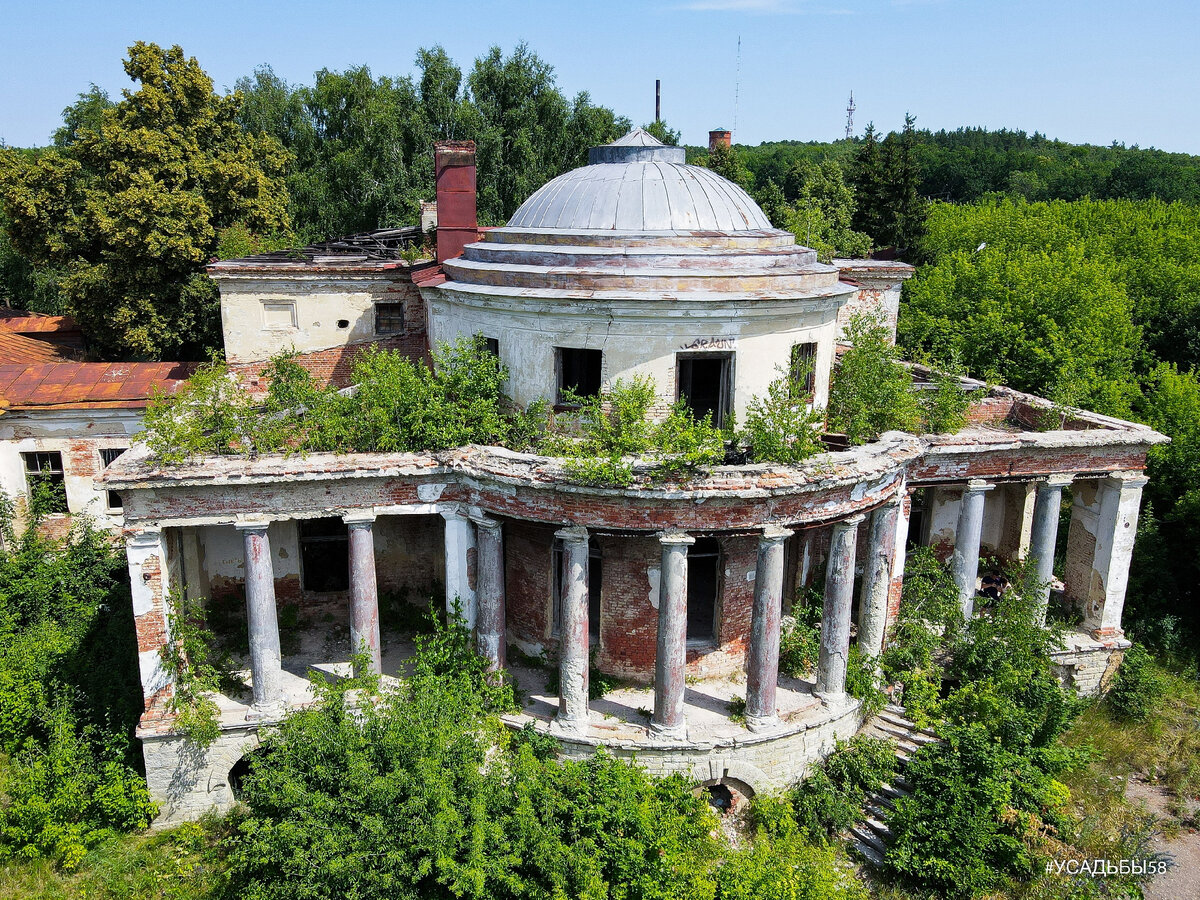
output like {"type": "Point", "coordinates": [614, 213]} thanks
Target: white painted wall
{"type": "Point", "coordinates": [640, 337]}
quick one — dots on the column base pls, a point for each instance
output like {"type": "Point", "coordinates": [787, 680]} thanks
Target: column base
{"type": "Point", "coordinates": [759, 724]}
{"type": "Point", "coordinates": [266, 712]}
{"type": "Point", "coordinates": [568, 728]}
{"type": "Point", "coordinates": [669, 732]}
{"type": "Point", "coordinates": [1107, 634]}
{"type": "Point", "coordinates": [832, 699]}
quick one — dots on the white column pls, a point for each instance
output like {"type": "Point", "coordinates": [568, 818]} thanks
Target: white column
{"type": "Point", "coordinates": [835, 614]}
{"type": "Point", "coordinates": [460, 547]}
{"type": "Point", "coordinates": [1043, 538]}
{"type": "Point", "coordinates": [762, 662]}
{"type": "Point", "coordinates": [146, 553]}
{"type": "Point", "coordinates": [670, 658]}
{"type": "Point", "coordinates": [490, 637]}
{"type": "Point", "coordinates": [877, 577]}
{"type": "Point", "coordinates": [266, 660]}
{"type": "Point", "coordinates": [364, 589]}
{"type": "Point", "coordinates": [964, 565]}
{"type": "Point", "coordinates": [1120, 497]}
{"type": "Point", "coordinates": [572, 718]}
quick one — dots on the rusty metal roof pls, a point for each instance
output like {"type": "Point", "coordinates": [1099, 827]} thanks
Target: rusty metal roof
{"type": "Point", "coordinates": [20, 348]}
{"type": "Point", "coordinates": [82, 385]}
{"type": "Point", "coordinates": [638, 184]}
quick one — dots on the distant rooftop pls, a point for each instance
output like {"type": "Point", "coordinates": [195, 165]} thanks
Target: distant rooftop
{"type": "Point", "coordinates": [85, 385]}
{"type": "Point", "coordinates": [378, 249]}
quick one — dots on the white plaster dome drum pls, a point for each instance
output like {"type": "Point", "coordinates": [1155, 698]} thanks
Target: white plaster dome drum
{"type": "Point", "coordinates": [642, 257]}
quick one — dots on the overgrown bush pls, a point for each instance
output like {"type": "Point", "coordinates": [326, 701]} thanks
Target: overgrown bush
{"type": "Point", "coordinates": [862, 682]}
{"type": "Point", "coordinates": [1137, 689]}
{"type": "Point", "coordinates": [799, 645]}
{"type": "Point", "coordinates": [831, 798]}
{"type": "Point", "coordinates": [871, 392]}
{"type": "Point", "coordinates": [782, 427]}
{"type": "Point", "coordinates": [70, 695]}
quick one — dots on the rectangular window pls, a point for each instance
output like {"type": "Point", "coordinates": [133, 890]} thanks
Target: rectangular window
{"type": "Point", "coordinates": [595, 580]}
{"type": "Point", "coordinates": [703, 585]}
{"type": "Point", "coordinates": [803, 367]}
{"type": "Point", "coordinates": [578, 372]}
{"type": "Point", "coordinates": [279, 315]}
{"type": "Point", "coordinates": [108, 455]}
{"type": "Point", "coordinates": [324, 555]}
{"type": "Point", "coordinates": [45, 480]}
{"type": "Point", "coordinates": [705, 382]}
{"type": "Point", "coordinates": [493, 346]}
{"type": "Point", "coordinates": [389, 318]}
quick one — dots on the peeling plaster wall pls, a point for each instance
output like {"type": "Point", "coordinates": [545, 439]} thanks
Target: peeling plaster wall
{"type": "Point", "coordinates": [642, 338]}
{"type": "Point", "coordinates": [78, 435]}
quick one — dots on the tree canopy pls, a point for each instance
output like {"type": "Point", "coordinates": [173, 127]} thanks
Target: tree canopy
{"type": "Point", "coordinates": [131, 205]}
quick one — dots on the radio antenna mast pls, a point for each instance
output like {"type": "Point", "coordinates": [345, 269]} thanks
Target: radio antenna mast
{"type": "Point", "coordinates": [850, 117]}
{"type": "Point", "coordinates": [737, 83]}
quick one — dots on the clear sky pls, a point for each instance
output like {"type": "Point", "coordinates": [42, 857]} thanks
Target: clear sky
{"type": "Point", "coordinates": [1085, 71]}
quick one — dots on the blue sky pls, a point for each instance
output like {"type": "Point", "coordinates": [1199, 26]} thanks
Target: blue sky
{"type": "Point", "coordinates": [1083, 71]}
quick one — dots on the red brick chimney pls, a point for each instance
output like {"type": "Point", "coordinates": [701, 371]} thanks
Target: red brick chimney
{"type": "Point", "coordinates": [719, 138]}
{"type": "Point", "coordinates": [457, 224]}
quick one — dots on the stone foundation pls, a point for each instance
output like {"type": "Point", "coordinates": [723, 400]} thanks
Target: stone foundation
{"type": "Point", "coordinates": [187, 781]}
{"type": "Point", "coordinates": [1087, 665]}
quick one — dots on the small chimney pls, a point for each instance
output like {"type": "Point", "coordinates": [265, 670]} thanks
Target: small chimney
{"type": "Point", "coordinates": [454, 170]}
{"type": "Point", "coordinates": [719, 138]}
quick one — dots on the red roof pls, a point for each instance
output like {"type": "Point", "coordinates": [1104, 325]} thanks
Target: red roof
{"type": "Point", "coordinates": [19, 348]}
{"type": "Point", "coordinates": [84, 385]}
{"type": "Point", "coordinates": [25, 322]}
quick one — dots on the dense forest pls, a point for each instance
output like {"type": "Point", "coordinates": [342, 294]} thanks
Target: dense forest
{"type": "Point", "coordinates": [1070, 271]}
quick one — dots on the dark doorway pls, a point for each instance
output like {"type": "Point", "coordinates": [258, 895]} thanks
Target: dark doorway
{"type": "Point", "coordinates": [704, 382]}
{"type": "Point", "coordinates": [579, 373]}
{"type": "Point", "coordinates": [595, 582]}
{"type": "Point", "coordinates": [704, 566]}
{"type": "Point", "coordinates": [324, 555]}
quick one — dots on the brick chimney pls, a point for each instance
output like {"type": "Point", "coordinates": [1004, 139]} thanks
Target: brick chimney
{"type": "Point", "coordinates": [719, 138]}
{"type": "Point", "coordinates": [454, 169]}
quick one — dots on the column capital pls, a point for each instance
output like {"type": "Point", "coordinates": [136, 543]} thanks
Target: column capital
{"type": "Point", "coordinates": [774, 533]}
{"type": "Point", "coordinates": [359, 517]}
{"type": "Point", "coordinates": [252, 524]}
{"type": "Point", "coordinates": [572, 534]}
{"type": "Point", "coordinates": [143, 538]}
{"type": "Point", "coordinates": [977, 486]}
{"type": "Point", "coordinates": [1057, 480]}
{"type": "Point", "coordinates": [675, 537]}
{"type": "Point", "coordinates": [851, 521]}
{"type": "Point", "coordinates": [453, 511]}
{"type": "Point", "coordinates": [487, 522]}
{"type": "Point", "coordinates": [1128, 479]}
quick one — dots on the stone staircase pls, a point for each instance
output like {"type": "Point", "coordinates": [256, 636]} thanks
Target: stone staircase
{"type": "Point", "coordinates": [870, 837]}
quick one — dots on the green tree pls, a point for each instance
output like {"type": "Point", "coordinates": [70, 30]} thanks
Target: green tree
{"type": "Point", "coordinates": [85, 114]}
{"type": "Point", "coordinates": [727, 162]}
{"type": "Point", "coordinates": [870, 392]}
{"type": "Point", "coordinates": [822, 214]}
{"type": "Point", "coordinates": [663, 132]}
{"type": "Point", "coordinates": [868, 178]}
{"type": "Point", "coordinates": [132, 209]}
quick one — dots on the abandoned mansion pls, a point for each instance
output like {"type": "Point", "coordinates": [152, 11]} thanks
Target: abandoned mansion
{"type": "Point", "coordinates": [633, 265]}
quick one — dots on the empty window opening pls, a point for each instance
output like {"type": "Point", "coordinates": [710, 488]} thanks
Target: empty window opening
{"type": "Point", "coordinates": [704, 382]}
{"type": "Point", "coordinates": [492, 345]}
{"type": "Point", "coordinates": [720, 798]}
{"type": "Point", "coordinates": [918, 519]}
{"type": "Point", "coordinates": [803, 368]}
{"type": "Point", "coordinates": [44, 478]}
{"type": "Point", "coordinates": [595, 580]}
{"type": "Point", "coordinates": [108, 456]}
{"type": "Point", "coordinates": [324, 555]}
{"type": "Point", "coordinates": [703, 582]}
{"type": "Point", "coordinates": [578, 373]}
{"type": "Point", "coordinates": [389, 318]}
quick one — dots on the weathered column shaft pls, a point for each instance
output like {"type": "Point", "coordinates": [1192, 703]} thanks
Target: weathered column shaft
{"type": "Point", "coordinates": [877, 577]}
{"type": "Point", "coordinates": [460, 548]}
{"type": "Point", "coordinates": [964, 565]}
{"type": "Point", "coordinates": [364, 592]}
{"type": "Point", "coordinates": [1120, 497]}
{"type": "Point", "coordinates": [573, 659]}
{"type": "Point", "coordinates": [490, 595]}
{"type": "Point", "coordinates": [835, 614]}
{"type": "Point", "coordinates": [762, 662]}
{"type": "Point", "coordinates": [1044, 536]}
{"type": "Point", "coordinates": [670, 660]}
{"type": "Point", "coordinates": [266, 661]}
{"type": "Point", "coordinates": [146, 554]}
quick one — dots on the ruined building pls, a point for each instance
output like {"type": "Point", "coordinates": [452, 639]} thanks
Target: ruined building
{"type": "Point", "coordinates": [635, 264]}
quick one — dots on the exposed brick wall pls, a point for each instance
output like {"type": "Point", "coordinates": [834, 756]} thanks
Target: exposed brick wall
{"type": "Point", "coordinates": [527, 581]}
{"type": "Point", "coordinates": [628, 620]}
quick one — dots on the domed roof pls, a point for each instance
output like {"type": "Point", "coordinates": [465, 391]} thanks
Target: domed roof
{"type": "Point", "coordinates": [638, 184]}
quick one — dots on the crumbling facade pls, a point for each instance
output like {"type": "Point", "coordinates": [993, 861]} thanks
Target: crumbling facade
{"type": "Point", "coordinates": [636, 264]}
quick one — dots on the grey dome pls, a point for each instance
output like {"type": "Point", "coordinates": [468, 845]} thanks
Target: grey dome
{"type": "Point", "coordinates": [639, 184]}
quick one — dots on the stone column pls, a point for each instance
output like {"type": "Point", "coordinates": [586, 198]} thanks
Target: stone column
{"type": "Point", "coordinates": [146, 554]}
{"type": "Point", "coordinates": [266, 667]}
{"type": "Point", "coordinates": [1120, 498]}
{"type": "Point", "coordinates": [835, 614]}
{"type": "Point", "coordinates": [762, 663]}
{"type": "Point", "coordinates": [877, 577]}
{"type": "Point", "coordinates": [670, 660]}
{"type": "Point", "coordinates": [460, 548]}
{"type": "Point", "coordinates": [364, 590]}
{"type": "Point", "coordinates": [572, 718]}
{"type": "Point", "coordinates": [1044, 536]}
{"type": "Point", "coordinates": [490, 595]}
{"type": "Point", "coordinates": [964, 565]}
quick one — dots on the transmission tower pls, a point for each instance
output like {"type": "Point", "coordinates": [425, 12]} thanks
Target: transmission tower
{"type": "Point", "coordinates": [850, 117]}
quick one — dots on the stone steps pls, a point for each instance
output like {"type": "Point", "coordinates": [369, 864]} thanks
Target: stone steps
{"type": "Point", "coordinates": [871, 836]}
